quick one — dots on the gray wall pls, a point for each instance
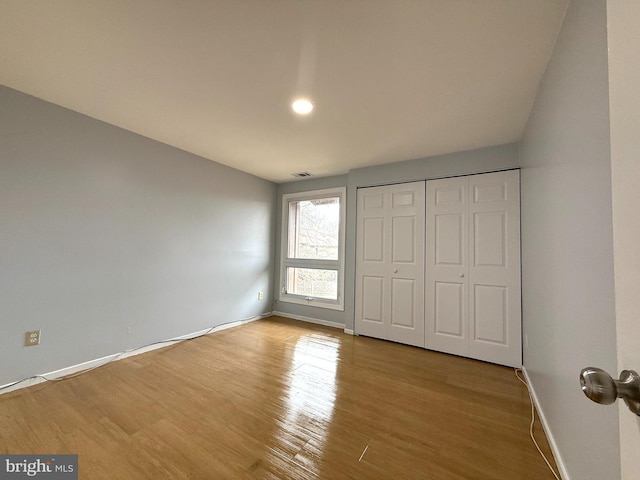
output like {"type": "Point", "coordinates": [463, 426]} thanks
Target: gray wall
{"type": "Point", "coordinates": [489, 159]}
{"type": "Point", "coordinates": [567, 272]}
{"type": "Point", "coordinates": [109, 240]}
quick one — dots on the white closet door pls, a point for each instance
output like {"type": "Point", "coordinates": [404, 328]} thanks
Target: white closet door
{"type": "Point", "coordinates": [390, 263]}
{"type": "Point", "coordinates": [447, 328]}
{"type": "Point", "coordinates": [473, 267]}
{"type": "Point", "coordinates": [371, 310]}
{"type": "Point", "coordinates": [494, 268]}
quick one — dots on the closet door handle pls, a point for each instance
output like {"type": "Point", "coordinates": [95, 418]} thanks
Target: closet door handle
{"type": "Point", "coordinates": [461, 275]}
{"type": "Point", "coordinates": [395, 270]}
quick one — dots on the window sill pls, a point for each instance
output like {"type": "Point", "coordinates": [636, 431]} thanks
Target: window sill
{"type": "Point", "coordinates": [315, 302]}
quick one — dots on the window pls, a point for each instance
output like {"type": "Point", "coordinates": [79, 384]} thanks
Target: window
{"type": "Point", "coordinates": [312, 270]}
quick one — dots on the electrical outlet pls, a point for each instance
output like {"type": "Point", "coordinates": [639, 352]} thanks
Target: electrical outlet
{"type": "Point", "coordinates": [260, 295]}
{"type": "Point", "coordinates": [31, 339]}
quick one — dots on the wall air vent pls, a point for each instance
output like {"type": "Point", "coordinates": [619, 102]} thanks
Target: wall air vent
{"type": "Point", "coordinates": [302, 174]}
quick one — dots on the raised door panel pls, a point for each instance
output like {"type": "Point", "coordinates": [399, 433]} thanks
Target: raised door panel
{"type": "Point", "coordinates": [373, 292]}
{"type": "Point", "coordinates": [373, 241]}
{"type": "Point", "coordinates": [490, 235]}
{"type": "Point", "coordinates": [403, 294]}
{"type": "Point", "coordinates": [449, 236]}
{"type": "Point", "coordinates": [490, 314]}
{"type": "Point", "coordinates": [403, 238]}
{"type": "Point", "coordinates": [450, 308]}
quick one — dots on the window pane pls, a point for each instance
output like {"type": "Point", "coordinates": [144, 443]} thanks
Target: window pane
{"type": "Point", "coordinates": [314, 227]}
{"type": "Point", "coordinates": [313, 282]}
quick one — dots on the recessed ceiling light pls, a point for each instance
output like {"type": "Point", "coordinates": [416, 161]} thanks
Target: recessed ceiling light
{"type": "Point", "coordinates": [302, 106]}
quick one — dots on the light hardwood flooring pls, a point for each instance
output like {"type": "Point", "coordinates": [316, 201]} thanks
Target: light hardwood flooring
{"type": "Point", "coordinates": [280, 399]}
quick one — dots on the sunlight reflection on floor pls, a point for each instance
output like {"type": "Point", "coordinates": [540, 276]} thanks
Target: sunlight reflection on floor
{"type": "Point", "coordinates": [312, 385]}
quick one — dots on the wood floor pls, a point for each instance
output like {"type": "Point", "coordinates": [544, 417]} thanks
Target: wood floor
{"type": "Point", "coordinates": [280, 399]}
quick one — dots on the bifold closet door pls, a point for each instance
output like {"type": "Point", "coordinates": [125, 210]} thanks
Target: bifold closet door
{"type": "Point", "coordinates": [473, 267]}
{"type": "Point", "coordinates": [390, 263]}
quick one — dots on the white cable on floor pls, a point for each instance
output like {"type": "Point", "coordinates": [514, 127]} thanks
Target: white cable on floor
{"type": "Point", "coordinates": [533, 419]}
{"type": "Point", "coordinates": [116, 356]}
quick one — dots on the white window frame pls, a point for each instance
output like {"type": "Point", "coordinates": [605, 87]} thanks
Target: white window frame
{"type": "Point", "coordinates": [285, 261]}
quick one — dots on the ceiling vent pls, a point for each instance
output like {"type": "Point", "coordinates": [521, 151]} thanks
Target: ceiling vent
{"type": "Point", "coordinates": [302, 174]}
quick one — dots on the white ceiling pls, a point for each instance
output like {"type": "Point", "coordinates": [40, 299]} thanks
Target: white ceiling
{"type": "Point", "coordinates": [391, 80]}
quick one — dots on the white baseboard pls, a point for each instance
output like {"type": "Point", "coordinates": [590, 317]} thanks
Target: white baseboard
{"type": "Point", "coordinates": [91, 364]}
{"type": "Point", "coordinates": [318, 321]}
{"type": "Point", "coordinates": [348, 331]}
{"type": "Point", "coordinates": [545, 426]}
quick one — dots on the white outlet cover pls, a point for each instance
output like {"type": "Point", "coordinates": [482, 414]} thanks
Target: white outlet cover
{"type": "Point", "coordinates": [32, 338]}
